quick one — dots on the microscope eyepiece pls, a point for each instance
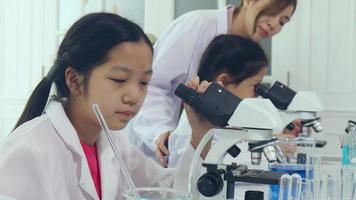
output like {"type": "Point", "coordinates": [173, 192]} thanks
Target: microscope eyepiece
{"type": "Point", "coordinates": [262, 90]}
{"type": "Point", "coordinates": [188, 95]}
{"type": "Point", "coordinates": [280, 95]}
{"type": "Point", "coordinates": [216, 103]}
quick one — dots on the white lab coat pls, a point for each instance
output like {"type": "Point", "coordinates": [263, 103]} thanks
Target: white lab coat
{"type": "Point", "coordinates": [177, 54]}
{"type": "Point", "coordinates": [43, 160]}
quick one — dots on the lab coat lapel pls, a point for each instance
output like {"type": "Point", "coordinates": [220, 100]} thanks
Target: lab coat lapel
{"type": "Point", "coordinates": [67, 132]}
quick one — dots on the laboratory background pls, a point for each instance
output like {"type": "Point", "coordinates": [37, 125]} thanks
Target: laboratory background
{"type": "Point", "coordinates": [316, 51]}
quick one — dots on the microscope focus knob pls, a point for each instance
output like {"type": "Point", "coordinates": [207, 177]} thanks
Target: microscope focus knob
{"type": "Point", "coordinates": [210, 184]}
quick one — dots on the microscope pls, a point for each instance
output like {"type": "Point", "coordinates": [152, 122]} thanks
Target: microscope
{"type": "Point", "coordinates": [236, 121]}
{"type": "Point", "coordinates": [295, 105]}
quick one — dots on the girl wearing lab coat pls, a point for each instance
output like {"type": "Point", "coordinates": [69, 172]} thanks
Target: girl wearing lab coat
{"type": "Point", "coordinates": [57, 151]}
{"type": "Point", "coordinates": [176, 59]}
{"type": "Point", "coordinates": [239, 64]}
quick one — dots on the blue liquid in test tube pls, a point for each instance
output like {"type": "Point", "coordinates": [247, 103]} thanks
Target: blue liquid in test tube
{"type": "Point", "coordinates": [288, 169]}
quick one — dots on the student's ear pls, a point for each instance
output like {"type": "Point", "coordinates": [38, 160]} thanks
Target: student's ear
{"type": "Point", "coordinates": [224, 78]}
{"type": "Point", "coordinates": [74, 81]}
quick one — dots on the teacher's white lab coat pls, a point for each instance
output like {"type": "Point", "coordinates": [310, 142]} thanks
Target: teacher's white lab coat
{"type": "Point", "coordinates": [177, 54]}
{"type": "Point", "coordinates": [43, 160]}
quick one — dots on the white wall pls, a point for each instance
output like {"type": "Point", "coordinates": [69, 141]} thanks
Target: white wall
{"type": "Point", "coordinates": [318, 51]}
{"type": "Point", "coordinates": [158, 15]}
{"type": "Point", "coordinates": [133, 10]}
{"type": "Point", "coordinates": [27, 47]}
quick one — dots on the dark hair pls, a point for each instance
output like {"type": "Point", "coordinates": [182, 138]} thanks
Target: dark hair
{"type": "Point", "coordinates": [84, 47]}
{"type": "Point", "coordinates": [273, 8]}
{"type": "Point", "coordinates": [237, 56]}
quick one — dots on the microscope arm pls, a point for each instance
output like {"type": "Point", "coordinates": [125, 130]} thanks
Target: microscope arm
{"type": "Point", "coordinates": [195, 168]}
{"type": "Point", "coordinates": [228, 137]}
{"type": "Point", "coordinates": [307, 102]}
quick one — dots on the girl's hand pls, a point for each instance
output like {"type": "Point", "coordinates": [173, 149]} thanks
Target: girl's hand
{"type": "Point", "coordinates": [162, 148]}
{"type": "Point", "coordinates": [287, 149]}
